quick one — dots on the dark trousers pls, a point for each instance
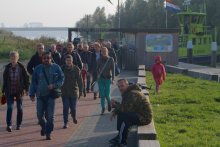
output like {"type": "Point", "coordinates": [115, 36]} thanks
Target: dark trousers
{"type": "Point", "coordinates": [88, 82]}
{"type": "Point", "coordinates": [69, 103]}
{"type": "Point", "coordinates": [84, 87]}
{"type": "Point", "coordinates": [10, 104]}
{"type": "Point", "coordinates": [124, 121]}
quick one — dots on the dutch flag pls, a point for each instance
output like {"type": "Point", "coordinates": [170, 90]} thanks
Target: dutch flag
{"type": "Point", "coordinates": [168, 4]}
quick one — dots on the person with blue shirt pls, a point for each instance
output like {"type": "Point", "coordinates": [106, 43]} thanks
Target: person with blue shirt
{"type": "Point", "coordinates": [39, 88]}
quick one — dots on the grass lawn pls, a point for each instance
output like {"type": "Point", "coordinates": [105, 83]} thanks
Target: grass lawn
{"type": "Point", "coordinates": [186, 112]}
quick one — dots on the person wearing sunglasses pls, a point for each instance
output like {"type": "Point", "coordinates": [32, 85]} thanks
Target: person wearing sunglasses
{"type": "Point", "coordinates": [45, 78]}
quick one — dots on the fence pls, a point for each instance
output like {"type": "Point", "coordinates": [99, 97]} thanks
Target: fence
{"type": "Point", "coordinates": [127, 58]}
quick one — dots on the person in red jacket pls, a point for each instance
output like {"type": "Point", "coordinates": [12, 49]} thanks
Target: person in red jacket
{"type": "Point", "coordinates": [159, 72]}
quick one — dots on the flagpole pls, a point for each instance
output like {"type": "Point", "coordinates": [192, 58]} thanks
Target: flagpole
{"type": "Point", "coordinates": [166, 18]}
{"type": "Point", "coordinates": [119, 21]}
{"type": "Point", "coordinates": [165, 5]}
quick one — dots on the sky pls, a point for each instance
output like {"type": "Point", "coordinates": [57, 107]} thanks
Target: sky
{"type": "Point", "coordinates": [52, 13]}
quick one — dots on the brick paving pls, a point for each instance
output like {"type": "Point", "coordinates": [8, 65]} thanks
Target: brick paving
{"type": "Point", "coordinates": [29, 135]}
{"type": "Point", "coordinates": [92, 130]}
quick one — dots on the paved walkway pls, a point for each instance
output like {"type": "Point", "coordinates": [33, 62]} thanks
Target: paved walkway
{"type": "Point", "coordinates": [199, 68]}
{"type": "Point", "coordinates": [92, 130]}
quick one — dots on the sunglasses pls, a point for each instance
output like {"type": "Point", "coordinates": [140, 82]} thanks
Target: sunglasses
{"type": "Point", "coordinates": [46, 58]}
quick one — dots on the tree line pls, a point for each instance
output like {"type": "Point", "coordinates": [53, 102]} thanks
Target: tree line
{"type": "Point", "coordinates": [148, 14]}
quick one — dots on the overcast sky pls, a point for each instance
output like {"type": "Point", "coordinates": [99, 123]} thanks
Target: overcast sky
{"type": "Point", "coordinates": [59, 13]}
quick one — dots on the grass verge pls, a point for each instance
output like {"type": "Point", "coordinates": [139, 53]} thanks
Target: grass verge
{"type": "Point", "coordinates": [25, 47]}
{"type": "Point", "coordinates": [186, 112]}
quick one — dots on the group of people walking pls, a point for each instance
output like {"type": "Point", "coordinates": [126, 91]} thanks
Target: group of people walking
{"type": "Point", "coordinates": [66, 72]}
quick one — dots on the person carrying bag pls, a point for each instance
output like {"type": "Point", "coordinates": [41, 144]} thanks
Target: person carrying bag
{"type": "Point", "coordinates": [106, 74]}
{"type": "Point", "coordinates": [47, 78]}
{"type": "Point", "coordinates": [55, 92]}
{"type": "Point", "coordinates": [95, 84]}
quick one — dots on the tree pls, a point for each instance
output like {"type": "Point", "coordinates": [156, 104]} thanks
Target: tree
{"type": "Point", "coordinates": [97, 20]}
{"type": "Point", "coordinates": [150, 14]}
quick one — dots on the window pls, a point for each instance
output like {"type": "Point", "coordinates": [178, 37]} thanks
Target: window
{"type": "Point", "coordinates": [205, 40]}
{"type": "Point", "coordinates": [194, 41]}
{"type": "Point", "coordinates": [199, 41]}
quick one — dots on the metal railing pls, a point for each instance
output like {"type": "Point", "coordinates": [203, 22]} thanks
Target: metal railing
{"type": "Point", "coordinates": [127, 58]}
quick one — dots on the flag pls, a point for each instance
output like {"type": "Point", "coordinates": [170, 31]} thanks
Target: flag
{"type": "Point", "coordinates": [169, 5]}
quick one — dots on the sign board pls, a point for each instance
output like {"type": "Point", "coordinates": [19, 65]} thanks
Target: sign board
{"type": "Point", "coordinates": [159, 43]}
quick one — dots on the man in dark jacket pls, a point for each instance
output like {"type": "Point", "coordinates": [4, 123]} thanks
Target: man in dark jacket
{"type": "Point", "coordinates": [55, 54]}
{"type": "Point", "coordinates": [79, 49]}
{"type": "Point", "coordinates": [60, 49]}
{"type": "Point", "coordinates": [134, 109]}
{"type": "Point", "coordinates": [86, 56]}
{"type": "Point", "coordinates": [96, 55]}
{"type": "Point", "coordinates": [76, 58]}
{"type": "Point", "coordinates": [16, 81]}
{"type": "Point", "coordinates": [111, 51]}
{"type": "Point", "coordinates": [71, 89]}
{"type": "Point", "coordinates": [35, 59]}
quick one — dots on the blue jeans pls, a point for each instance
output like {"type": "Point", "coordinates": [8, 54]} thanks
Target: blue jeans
{"type": "Point", "coordinates": [10, 104]}
{"type": "Point", "coordinates": [69, 103]}
{"type": "Point", "coordinates": [45, 113]}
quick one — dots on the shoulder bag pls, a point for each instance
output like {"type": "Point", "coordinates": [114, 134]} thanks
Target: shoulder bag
{"type": "Point", "coordinates": [55, 92]}
{"type": "Point", "coordinates": [95, 84]}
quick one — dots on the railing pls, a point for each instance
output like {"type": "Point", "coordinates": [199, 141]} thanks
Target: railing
{"type": "Point", "coordinates": [127, 59]}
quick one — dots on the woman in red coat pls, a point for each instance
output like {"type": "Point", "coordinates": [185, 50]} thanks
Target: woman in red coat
{"type": "Point", "coordinates": [159, 72]}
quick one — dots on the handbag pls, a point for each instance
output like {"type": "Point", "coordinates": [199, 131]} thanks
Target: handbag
{"type": "Point", "coordinates": [3, 99]}
{"type": "Point", "coordinates": [95, 87]}
{"type": "Point", "coordinates": [55, 92]}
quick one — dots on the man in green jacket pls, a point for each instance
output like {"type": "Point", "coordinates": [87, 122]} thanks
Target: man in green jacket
{"type": "Point", "coordinates": [134, 109]}
{"type": "Point", "coordinates": [71, 89]}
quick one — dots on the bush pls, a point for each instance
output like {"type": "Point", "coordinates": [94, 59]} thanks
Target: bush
{"type": "Point", "coordinates": [24, 46]}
